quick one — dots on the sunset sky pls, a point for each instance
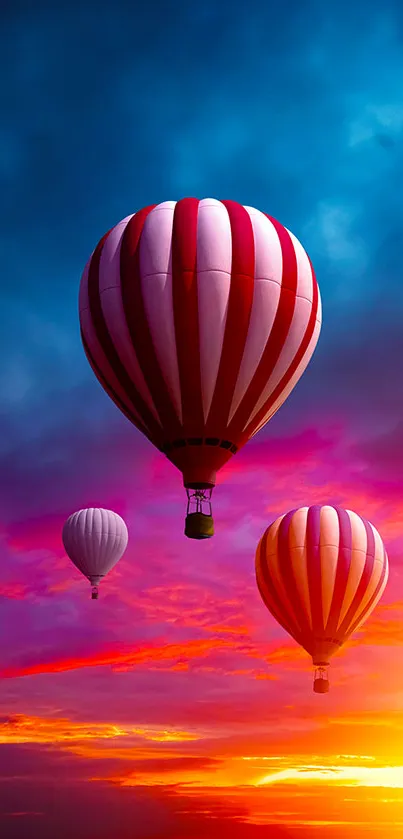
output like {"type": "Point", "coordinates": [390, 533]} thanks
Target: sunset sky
{"type": "Point", "coordinates": [174, 707]}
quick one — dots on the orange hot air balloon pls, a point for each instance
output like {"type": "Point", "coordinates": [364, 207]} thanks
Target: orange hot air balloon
{"type": "Point", "coordinates": [320, 572]}
{"type": "Point", "coordinates": [198, 318]}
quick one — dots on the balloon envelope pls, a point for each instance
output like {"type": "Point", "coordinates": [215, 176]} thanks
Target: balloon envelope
{"type": "Point", "coordinates": [95, 539]}
{"type": "Point", "coordinates": [198, 318]}
{"type": "Point", "coordinates": [321, 571]}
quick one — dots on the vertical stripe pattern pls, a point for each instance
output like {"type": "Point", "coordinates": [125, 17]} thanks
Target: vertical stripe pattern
{"type": "Point", "coordinates": [95, 540]}
{"type": "Point", "coordinates": [321, 571]}
{"type": "Point", "coordinates": [198, 318]}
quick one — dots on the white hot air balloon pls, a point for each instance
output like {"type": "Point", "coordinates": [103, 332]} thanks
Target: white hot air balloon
{"type": "Point", "coordinates": [95, 540]}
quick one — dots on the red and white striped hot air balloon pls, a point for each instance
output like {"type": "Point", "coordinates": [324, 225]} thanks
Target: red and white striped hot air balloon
{"type": "Point", "coordinates": [198, 318]}
{"type": "Point", "coordinates": [320, 572]}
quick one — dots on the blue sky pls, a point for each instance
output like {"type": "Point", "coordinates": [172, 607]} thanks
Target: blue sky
{"type": "Point", "coordinates": [296, 110]}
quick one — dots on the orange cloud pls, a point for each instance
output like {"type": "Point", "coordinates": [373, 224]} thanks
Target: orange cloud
{"type": "Point", "coordinates": [288, 654]}
{"type": "Point", "coordinates": [391, 719]}
{"type": "Point", "coordinates": [384, 633]}
{"type": "Point", "coordinates": [316, 785]}
{"type": "Point", "coordinates": [152, 654]}
{"type": "Point", "coordinates": [31, 729]}
{"type": "Point", "coordinates": [176, 656]}
{"type": "Point", "coordinates": [382, 629]}
{"type": "Point", "coordinates": [25, 729]}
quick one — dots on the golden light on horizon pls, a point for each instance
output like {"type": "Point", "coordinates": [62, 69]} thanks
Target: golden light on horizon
{"type": "Point", "coordinates": [164, 736]}
{"type": "Point", "coordinates": [378, 776]}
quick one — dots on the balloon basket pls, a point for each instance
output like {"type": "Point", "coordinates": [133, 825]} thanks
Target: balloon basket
{"type": "Point", "coordinates": [321, 680]}
{"type": "Point", "coordinates": [199, 522]}
{"type": "Point", "coordinates": [94, 593]}
{"type": "Point", "coordinates": [199, 526]}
